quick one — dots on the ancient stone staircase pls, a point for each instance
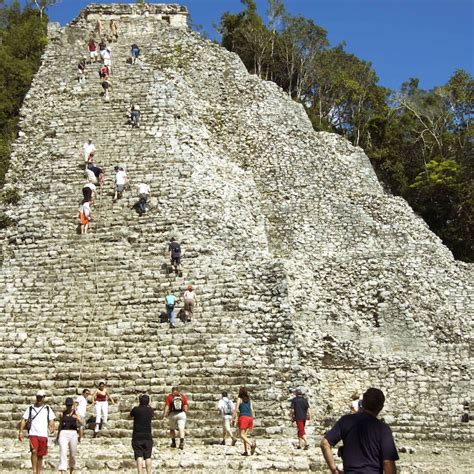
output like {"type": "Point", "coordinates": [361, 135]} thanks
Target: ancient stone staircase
{"type": "Point", "coordinates": [307, 274]}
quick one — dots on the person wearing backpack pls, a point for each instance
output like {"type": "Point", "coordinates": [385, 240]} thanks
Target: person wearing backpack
{"type": "Point", "coordinates": [226, 408]}
{"type": "Point", "coordinates": [38, 419]}
{"type": "Point", "coordinates": [176, 407]}
{"type": "Point", "coordinates": [170, 301]}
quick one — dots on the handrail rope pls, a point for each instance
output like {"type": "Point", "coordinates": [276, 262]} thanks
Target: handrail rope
{"type": "Point", "coordinates": [96, 285]}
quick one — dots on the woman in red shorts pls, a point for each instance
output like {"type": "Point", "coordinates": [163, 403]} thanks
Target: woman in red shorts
{"type": "Point", "coordinates": [244, 408]}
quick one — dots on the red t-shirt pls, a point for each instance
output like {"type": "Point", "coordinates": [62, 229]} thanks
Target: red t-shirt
{"type": "Point", "coordinates": [173, 407]}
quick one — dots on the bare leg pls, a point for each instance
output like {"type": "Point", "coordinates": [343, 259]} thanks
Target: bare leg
{"type": "Point", "coordinates": [243, 435]}
{"type": "Point", "coordinates": [139, 465]}
{"type": "Point", "coordinates": [34, 461]}
{"type": "Point", "coordinates": [39, 464]}
{"type": "Point", "coordinates": [148, 465]}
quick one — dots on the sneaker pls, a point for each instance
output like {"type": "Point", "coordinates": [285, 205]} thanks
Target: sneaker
{"type": "Point", "coordinates": [223, 442]}
{"type": "Point", "coordinates": [234, 441]}
{"type": "Point", "coordinates": [173, 443]}
{"type": "Point", "coordinates": [253, 447]}
{"type": "Point", "coordinates": [181, 444]}
{"type": "Point", "coordinates": [245, 454]}
{"type": "Point", "coordinates": [306, 447]}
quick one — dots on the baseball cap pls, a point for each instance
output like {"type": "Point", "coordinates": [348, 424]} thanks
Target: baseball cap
{"type": "Point", "coordinates": [41, 393]}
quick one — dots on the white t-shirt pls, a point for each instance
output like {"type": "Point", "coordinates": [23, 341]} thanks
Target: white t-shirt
{"type": "Point", "coordinates": [189, 295]}
{"type": "Point", "coordinates": [143, 188]}
{"type": "Point", "coordinates": [355, 405]}
{"type": "Point", "coordinates": [120, 177]}
{"type": "Point", "coordinates": [86, 209]}
{"type": "Point", "coordinates": [89, 148]}
{"type": "Point", "coordinates": [40, 417]}
{"type": "Point", "coordinates": [90, 175]}
{"type": "Point", "coordinates": [81, 406]}
{"type": "Point", "coordinates": [224, 405]}
{"type": "Point", "coordinates": [91, 186]}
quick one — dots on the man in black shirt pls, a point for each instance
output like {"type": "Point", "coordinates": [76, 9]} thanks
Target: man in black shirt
{"type": "Point", "coordinates": [300, 412]}
{"type": "Point", "coordinates": [174, 248]}
{"type": "Point", "coordinates": [368, 442]}
{"type": "Point", "coordinates": [142, 441]}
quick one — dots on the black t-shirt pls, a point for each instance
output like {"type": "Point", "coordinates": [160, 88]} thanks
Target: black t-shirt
{"type": "Point", "coordinates": [142, 416]}
{"type": "Point", "coordinates": [300, 407]}
{"type": "Point", "coordinates": [175, 249]}
{"type": "Point", "coordinates": [368, 442]}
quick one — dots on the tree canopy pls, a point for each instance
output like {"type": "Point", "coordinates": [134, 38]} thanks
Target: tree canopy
{"type": "Point", "coordinates": [419, 141]}
{"type": "Point", "coordinates": [22, 41]}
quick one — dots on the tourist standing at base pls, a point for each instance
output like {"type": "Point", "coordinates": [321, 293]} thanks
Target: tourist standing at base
{"type": "Point", "coordinates": [69, 423]}
{"type": "Point", "coordinates": [225, 408]}
{"type": "Point", "coordinates": [300, 413]}
{"type": "Point", "coordinates": [176, 408]}
{"type": "Point", "coordinates": [80, 405]}
{"type": "Point", "coordinates": [368, 442]}
{"type": "Point", "coordinates": [142, 440]}
{"type": "Point", "coordinates": [101, 402]}
{"type": "Point", "coordinates": [245, 412]}
{"type": "Point", "coordinates": [38, 419]}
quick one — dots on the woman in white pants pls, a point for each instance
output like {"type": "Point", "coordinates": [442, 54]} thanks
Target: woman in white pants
{"type": "Point", "coordinates": [101, 403]}
{"type": "Point", "coordinates": [69, 423]}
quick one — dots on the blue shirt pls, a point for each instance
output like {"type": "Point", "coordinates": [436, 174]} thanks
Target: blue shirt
{"type": "Point", "coordinates": [170, 299]}
{"type": "Point", "coordinates": [368, 442]}
{"type": "Point", "coordinates": [244, 409]}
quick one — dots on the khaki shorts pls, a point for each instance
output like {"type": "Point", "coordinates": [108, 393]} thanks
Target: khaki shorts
{"type": "Point", "coordinates": [177, 420]}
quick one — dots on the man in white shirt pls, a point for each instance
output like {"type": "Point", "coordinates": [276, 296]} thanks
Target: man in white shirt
{"type": "Point", "coordinates": [143, 194]}
{"type": "Point", "coordinates": [120, 181]}
{"type": "Point", "coordinates": [81, 408]}
{"type": "Point", "coordinates": [89, 148]}
{"type": "Point", "coordinates": [39, 420]}
{"type": "Point", "coordinates": [226, 408]}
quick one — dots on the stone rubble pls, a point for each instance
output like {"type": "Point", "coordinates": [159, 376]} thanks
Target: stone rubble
{"type": "Point", "coordinates": [309, 275]}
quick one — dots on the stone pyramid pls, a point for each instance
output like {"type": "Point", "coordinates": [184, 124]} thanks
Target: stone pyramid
{"type": "Point", "coordinates": [308, 274]}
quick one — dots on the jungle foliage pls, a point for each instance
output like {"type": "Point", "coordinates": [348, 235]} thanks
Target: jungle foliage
{"type": "Point", "coordinates": [420, 142]}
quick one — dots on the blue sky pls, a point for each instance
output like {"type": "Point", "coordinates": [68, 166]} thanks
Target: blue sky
{"type": "Point", "coordinates": [427, 39]}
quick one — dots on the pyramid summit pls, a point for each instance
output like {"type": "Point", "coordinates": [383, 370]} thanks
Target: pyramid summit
{"type": "Point", "coordinates": [308, 274]}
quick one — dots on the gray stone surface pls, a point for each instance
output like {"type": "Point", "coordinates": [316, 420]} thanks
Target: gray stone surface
{"type": "Point", "coordinates": [308, 274]}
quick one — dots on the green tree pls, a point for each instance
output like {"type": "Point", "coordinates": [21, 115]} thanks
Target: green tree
{"type": "Point", "coordinates": [22, 40]}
